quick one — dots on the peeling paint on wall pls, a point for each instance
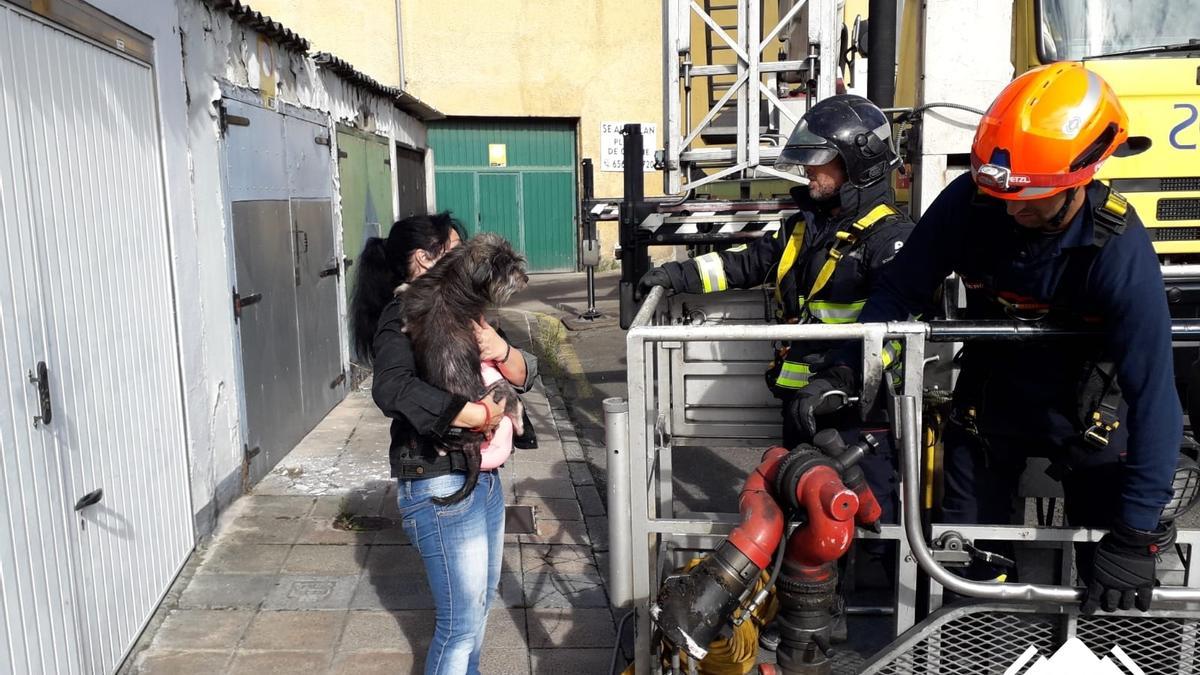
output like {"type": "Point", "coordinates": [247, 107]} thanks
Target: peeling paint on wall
{"type": "Point", "coordinates": [218, 51]}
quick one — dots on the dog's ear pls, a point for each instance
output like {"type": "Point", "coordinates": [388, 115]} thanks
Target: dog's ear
{"type": "Point", "coordinates": [481, 263]}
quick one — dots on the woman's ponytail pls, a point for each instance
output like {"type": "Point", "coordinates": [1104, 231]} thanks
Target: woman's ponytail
{"type": "Point", "coordinates": [384, 265]}
{"type": "Point", "coordinates": [374, 283]}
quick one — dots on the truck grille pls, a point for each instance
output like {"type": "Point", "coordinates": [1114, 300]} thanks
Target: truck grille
{"type": "Point", "coordinates": [1174, 233]}
{"type": "Point", "coordinates": [1180, 184]}
{"type": "Point", "coordinates": [1187, 208]}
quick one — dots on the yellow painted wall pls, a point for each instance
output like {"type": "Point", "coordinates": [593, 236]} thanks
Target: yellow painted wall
{"type": "Point", "coordinates": [362, 32]}
{"type": "Point", "coordinates": [592, 60]}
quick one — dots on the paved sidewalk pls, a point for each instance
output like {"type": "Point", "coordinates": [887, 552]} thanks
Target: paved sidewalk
{"type": "Point", "coordinates": [283, 589]}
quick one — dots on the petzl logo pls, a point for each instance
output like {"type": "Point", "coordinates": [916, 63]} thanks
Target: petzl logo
{"type": "Point", "coordinates": [1074, 657]}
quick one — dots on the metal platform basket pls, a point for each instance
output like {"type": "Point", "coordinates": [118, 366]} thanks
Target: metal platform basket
{"type": "Point", "coordinates": [989, 638]}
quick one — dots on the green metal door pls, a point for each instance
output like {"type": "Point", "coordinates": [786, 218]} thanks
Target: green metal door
{"type": "Point", "coordinates": [365, 179]}
{"type": "Point", "coordinates": [500, 205]}
{"type": "Point", "coordinates": [512, 177]}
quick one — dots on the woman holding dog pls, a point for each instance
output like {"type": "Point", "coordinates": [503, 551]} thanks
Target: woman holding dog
{"type": "Point", "coordinates": [461, 544]}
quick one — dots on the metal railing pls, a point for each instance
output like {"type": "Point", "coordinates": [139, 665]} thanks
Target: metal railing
{"type": "Point", "coordinates": [638, 533]}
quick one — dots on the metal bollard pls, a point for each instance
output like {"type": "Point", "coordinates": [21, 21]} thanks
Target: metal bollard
{"type": "Point", "coordinates": [616, 438]}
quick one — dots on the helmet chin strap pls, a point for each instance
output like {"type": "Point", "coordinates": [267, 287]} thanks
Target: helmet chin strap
{"type": "Point", "coordinates": [1056, 221]}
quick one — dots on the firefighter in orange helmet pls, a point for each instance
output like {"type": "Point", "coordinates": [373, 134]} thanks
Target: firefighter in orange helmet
{"type": "Point", "coordinates": [1032, 235]}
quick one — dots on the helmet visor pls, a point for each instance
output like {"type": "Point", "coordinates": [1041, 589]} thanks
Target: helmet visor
{"type": "Point", "coordinates": [804, 148]}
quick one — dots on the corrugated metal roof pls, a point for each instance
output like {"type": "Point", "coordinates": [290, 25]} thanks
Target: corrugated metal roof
{"type": "Point", "coordinates": [248, 17]}
{"type": "Point", "coordinates": [245, 15]}
{"type": "Point", "coordinates": [403, 100]}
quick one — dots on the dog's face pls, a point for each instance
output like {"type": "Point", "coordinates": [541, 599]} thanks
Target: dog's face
{"type": "Point", "coordinates": [497, 271]}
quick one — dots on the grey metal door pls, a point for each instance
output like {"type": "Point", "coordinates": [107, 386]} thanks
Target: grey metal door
{"type": "Point", "coordinates": [279, 181]}
{"type": "Point", "coordinates": [106, 462]}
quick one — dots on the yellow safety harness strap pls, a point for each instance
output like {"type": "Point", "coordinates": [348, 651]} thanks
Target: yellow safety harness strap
{"type": "Point", "coordinates": [790, 252]}
{"type": "Point", "coordinates": [846, 239]}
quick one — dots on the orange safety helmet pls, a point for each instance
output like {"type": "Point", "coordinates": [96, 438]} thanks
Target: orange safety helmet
{"type": "Point", "coordinates": [1048, 131]}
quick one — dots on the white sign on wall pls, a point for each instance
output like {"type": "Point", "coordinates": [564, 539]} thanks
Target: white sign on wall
{"type": "Point", "coordinates": [612, 146]}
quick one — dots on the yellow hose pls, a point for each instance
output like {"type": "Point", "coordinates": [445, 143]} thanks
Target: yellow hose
{"type": "Point", "coordinates": [737, 654]}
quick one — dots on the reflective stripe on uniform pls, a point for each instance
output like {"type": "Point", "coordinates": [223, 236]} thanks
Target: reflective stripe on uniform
{"type": "Point", "coordinates": [793, 375]}
{"type": "Point", "coordinates": [835, 312]}
{"type": "Point", "coordinates": [891, 353]}
{"type": "Point", "coordinates": [712, 272]}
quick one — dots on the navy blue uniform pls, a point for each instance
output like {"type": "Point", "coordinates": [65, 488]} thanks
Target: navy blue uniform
{"type": "Point", "coordinates": [1026, 393]}
{"type": "Point", "coordinates": [793, 259]}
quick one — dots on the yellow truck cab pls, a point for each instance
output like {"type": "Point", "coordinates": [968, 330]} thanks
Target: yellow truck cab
{"type": "Point", "coordinates": [1150, 53]}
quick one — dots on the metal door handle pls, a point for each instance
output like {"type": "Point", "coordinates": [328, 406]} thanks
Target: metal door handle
{"type": "Point", "coordinates": [330, 272]}
{"type": "Point", "coordinates": [240, 301]}
{"type": "Point", "coordinates": [41, 377]}
{"type": "Point", "coordinates": [90, 499]}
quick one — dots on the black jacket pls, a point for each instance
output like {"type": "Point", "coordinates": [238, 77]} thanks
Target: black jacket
{"type": "Point", "coordinates": [802, 249]}
{"type": "Point", "coordinates": [421, 413]}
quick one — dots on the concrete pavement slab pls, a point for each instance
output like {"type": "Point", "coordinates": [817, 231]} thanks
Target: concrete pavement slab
{"type": "Point", "coordinates": [263, 529]}
{"type": "Point", "coordinates": [377, 663]}
{"type": "Point", "coordinates": [325, 560]}
{"type": "Point", "coordinates": [553, 509]}
{"type": "Point", "coordinates": [570, 660]}
{"type": "Point", "coordinates": [408, 631]}
{"type": "Point", "coordinates": [544, 558]}
{"type": "Point", "coordinates": [555, 589]}
{"type": "Point", "coordinates": [235, 557]}
{"type": "Point", "coordinates": [597, 527]}
{"type": "Point", "coordinates": [554, 488]}
{"type": "Point", "coordinates": [320, 531]}
{"type": "Point", "coordinates": [290, 629]}
{"type": "Point", "coordinates": [280, 506]}
{"type": "Point", "coordinates": [279, 662]}
{"type": "Point", "coordinates": [185, 662]}
{"type": "Point", "coordinates": [227, 591]}
{"type": "Point", "coordinates": [306, 591]}
{"type": "Point", "coordinates": [504, 661]}
{"type": "Point", "coordinates": [580, 474]}
{"type": "Point", "coordinates": [410, 591]}
{"type": "Point", "coordinates": [394, 560]}
{"type": "Point", "coordinates": [589, 500]}
{"type": "Point", "coordinates": [202, 629]}
{"type": "Point", "coordinates": [506, 628]}
{"type": "Point", "coordinates": [511, 590]}
{"type": "Point", "coordinates": [549, 531]}
{"type": "Point", "coordinates": [574, 628]}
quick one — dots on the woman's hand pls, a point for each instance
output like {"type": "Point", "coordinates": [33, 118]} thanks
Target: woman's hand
{"type": "Point", "coordinates": [483, 415]}
{"type": "Point", "coordinates": [492, 347]}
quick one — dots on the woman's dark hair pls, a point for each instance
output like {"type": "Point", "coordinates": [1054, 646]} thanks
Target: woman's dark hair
{"type": "Point", "coordinates": [383, 265]}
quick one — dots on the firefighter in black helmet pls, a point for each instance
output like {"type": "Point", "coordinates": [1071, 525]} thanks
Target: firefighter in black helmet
{"type": "Point", "coordinates": [823, 262]}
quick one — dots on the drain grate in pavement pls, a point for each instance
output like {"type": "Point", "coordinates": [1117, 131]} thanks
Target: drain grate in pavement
{"type": "Point", "coordinates": [520, 519]}
{"type": "Point", "coordinates": [354, 523]}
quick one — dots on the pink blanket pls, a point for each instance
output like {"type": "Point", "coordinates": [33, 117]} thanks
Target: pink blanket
{"type": "Point", "coordinates": [496, 449]}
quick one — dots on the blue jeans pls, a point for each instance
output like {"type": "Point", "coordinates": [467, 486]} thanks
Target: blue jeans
{"type": "Point", "coordinates": [462, 545]}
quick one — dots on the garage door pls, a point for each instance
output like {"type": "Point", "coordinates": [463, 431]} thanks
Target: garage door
{"type": "Point", "coordinates": [516, 178]}
{"type": "Point", "coordinates": [93, 474]}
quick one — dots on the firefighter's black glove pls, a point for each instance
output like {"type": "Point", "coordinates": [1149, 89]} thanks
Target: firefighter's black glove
{"type": "Point", "coordinates": [827, 391]}
{"type": "Point", "coordinates": [655, 277]}
{"type": "Point", "coordinates": [1124, 571]}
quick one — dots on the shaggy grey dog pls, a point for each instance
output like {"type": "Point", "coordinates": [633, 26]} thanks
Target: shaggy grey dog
{"type": "Point", "coordinates": [440, 308]}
